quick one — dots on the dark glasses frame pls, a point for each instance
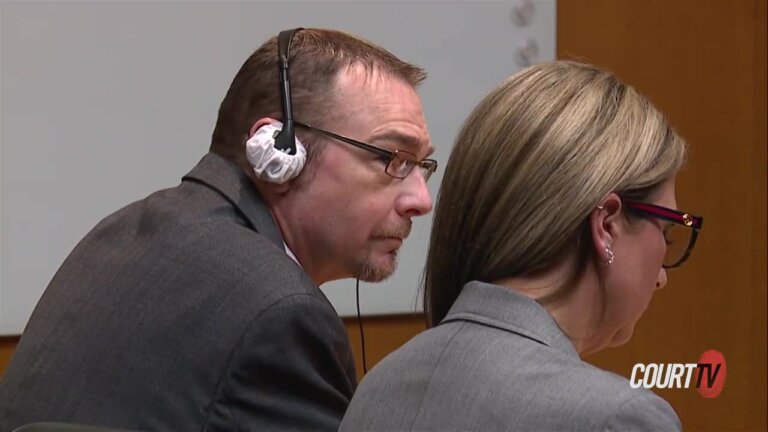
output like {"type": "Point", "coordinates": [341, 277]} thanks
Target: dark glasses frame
{"type": "Point", "coordinates": [675, 216]}
{"type": "Point", "coordinates": [428, 166]}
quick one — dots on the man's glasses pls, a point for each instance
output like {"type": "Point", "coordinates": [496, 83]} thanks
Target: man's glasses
{"type": "Point", "coordinates": [680, 236]}
{"type": "Point", "coordinates": [400, 163]}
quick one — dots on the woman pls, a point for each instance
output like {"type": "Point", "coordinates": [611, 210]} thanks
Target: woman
{"type": "Point", "coordinates": [549, 238]}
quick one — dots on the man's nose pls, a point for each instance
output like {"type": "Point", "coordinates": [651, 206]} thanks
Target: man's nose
{"type": "Point", "coordinates": [415, 199]}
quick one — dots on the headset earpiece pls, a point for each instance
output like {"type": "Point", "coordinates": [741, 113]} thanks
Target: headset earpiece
{"type": "Point", "coordinates": [270, 163]}
{"type": "Point", "coordinates": [274, 152]}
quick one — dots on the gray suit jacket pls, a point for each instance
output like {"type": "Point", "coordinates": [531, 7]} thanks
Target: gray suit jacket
{"type": "Point", "coordinates": [498, 362]}
{"type": "Point", "coordinates": [182, 312]}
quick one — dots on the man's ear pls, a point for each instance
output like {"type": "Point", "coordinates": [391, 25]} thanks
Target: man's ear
{"type": "Point", "coordinates": [259, 123]}
{"type": "Point", "coordinates": [605, 224]}
{"type": "Point", "coordinates": [272, 191]}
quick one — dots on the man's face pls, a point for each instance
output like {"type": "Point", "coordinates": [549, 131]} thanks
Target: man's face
{"type": "Point", "coordinates": [347, 217]}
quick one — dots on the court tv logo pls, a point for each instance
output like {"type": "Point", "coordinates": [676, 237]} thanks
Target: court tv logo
{"type": "Point", "coordinates": [707, 375]}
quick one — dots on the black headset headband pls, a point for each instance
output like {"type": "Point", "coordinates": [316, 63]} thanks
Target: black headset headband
{"type": "Point", "coordinates": [286, 139]}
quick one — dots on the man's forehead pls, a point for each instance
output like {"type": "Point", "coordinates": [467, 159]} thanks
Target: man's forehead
{"type": "Point", "coordinates": [358, 78]}
{"type": "Point", "coordinates": [414, 143]}
{"type": "Point", "coordinates": [390, 104]}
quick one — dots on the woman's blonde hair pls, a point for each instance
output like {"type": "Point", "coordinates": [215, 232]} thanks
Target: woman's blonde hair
{"type": "Point", "coordinates": [529, 165]}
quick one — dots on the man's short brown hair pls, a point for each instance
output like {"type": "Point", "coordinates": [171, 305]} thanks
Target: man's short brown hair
{"type": "Point", "coordinates": [316, 58]}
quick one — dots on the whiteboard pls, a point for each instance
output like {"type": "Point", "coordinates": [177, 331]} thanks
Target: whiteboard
{"type": "Point", "coordinates": [102, 103]}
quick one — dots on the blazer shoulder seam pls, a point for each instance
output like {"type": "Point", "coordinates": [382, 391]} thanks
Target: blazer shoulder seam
{"type": "Point", "coordinates": [437, 363]}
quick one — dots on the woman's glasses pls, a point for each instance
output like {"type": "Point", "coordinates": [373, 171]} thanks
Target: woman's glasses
{"type": "Point", "coordinates": [680, 235]}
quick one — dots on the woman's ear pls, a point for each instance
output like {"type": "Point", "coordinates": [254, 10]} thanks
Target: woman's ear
{"type": "Point", "coordinates": [604, 223]}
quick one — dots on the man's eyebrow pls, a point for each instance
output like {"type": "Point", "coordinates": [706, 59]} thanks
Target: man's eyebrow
{"type": "Point", "coordinates": [410, 142]}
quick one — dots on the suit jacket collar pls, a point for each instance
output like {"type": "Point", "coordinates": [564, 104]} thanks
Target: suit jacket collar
{"type": "Point", "coordinates": [503, 308]}
{"type": "Point", "coordinates": [229, 180]}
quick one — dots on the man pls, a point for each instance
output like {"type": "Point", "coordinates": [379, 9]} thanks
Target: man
{"type": "Point", "coordinates": [198, 307]}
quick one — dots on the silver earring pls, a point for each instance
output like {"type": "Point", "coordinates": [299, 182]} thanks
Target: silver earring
{"type": "Point", "coordinates": [609, 253]}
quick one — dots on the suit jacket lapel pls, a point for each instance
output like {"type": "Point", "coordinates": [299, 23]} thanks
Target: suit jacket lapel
{"type": "Point", "coordinates": [229, 180]}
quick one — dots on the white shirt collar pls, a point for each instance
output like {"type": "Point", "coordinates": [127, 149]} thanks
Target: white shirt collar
{"type": "Point", "coordinates": [290, 254]}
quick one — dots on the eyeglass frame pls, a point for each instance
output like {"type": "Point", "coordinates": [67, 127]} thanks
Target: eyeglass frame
{"type": "Point", "coordinates": [430, 165]}
{"type": "Point", "coordinates": [688, 220]}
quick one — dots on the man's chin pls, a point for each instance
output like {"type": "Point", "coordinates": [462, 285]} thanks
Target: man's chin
{"type": "Point", "coordinates": [378, 269]}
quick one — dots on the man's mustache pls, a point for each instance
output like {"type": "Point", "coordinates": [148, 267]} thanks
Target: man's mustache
{"type": "Point", "coordinates": [400, 231]}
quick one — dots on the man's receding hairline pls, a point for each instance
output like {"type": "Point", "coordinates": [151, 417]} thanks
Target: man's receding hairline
{"type": "Point", "coordinates": [346, 75]}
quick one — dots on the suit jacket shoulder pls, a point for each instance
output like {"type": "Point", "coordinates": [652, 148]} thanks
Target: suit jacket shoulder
{"type": "Point", "coordinates": [605, 401]}
{"type": "Point", "coordinates": [498, 362]}
{"type": "Point", "coordinates": [182, 311]}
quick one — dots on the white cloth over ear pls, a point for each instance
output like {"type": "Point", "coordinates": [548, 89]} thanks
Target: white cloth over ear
{"type": "Point", "coordinates": [269, 163]}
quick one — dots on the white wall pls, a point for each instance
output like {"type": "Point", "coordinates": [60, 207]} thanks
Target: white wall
{"type": "Point", "coordinates": [102, 103]}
